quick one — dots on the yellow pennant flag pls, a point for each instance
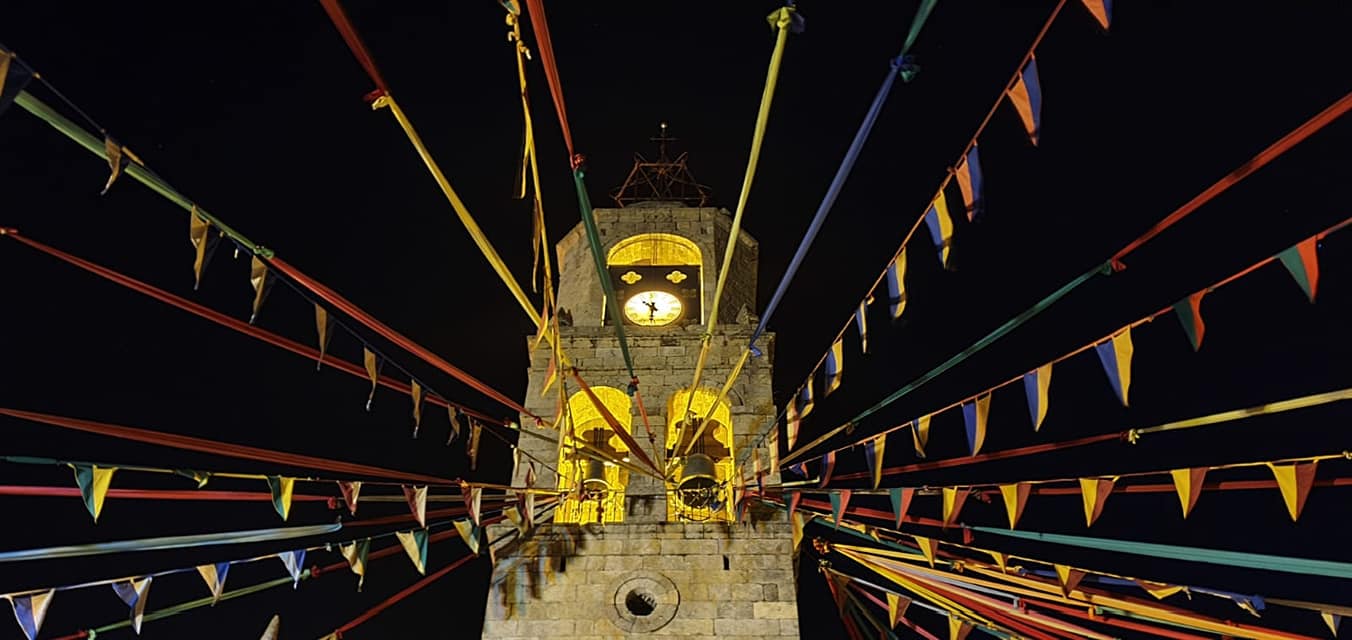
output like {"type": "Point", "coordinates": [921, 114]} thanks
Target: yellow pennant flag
{"type": "Point", "coordinates": [1294, 479]}
{"type": "Point", "coordinates": [93, 482]}
{"type": "Point", "coordinates": [551, 376]}
{"type": "Point", "coordinates": [416, 497]}
{"type": "Point", "coordinates": [1158, 590]}
{"type": "Point", "coordinates": [1332, 620]}
{"type": "Point", "coordinates": [1069, 577]}
{"type": "Point", "coordinates": [416, 391]}
{"type": "Point", "coordinates": [282, 490]}
{"type": "Point", "coordinates": [214, 575]}
{"type": "Point", "coordinates": [1188, 484]}
{"type": "Point", "coordinates": [920, 433]}
{"type": "Point", "coordinates": [372, 372]}
{"type": "Point", "coordinates": [928, 546]}
{"type": "Point", "coordinates": [273, 630]}
{"type": "Point", "coordinates": [958, 629]}
{"type": "Point", "coordinates": [322, 324]}
{"type": "Point", "coordinates": [198, 229]}
{"type": "Point", "coordinates": [415, 545]}
{"type": "Point", "coordinates": [469, 533]}
{"type": "Point", "coordinates": [954, 498]}
{"type": "Point", "coordinates": [1095, 492]}
{"type": "Point", "coordinates": [113, 151]}
{"type": "Point", "coordinates": [1001, 560]}
{"type": "Point", "coordinates": [258, 277]}
{"type": "Point", "coordinates": [355, 553]}
{"type": "Point", "coordinates": [896, 608]}
{"type": "Point", "coordinates": [800, 521]}
{"type": "Point", "coordinates": [1016, 498]}
{"type": "Point", "coordinates": [475, 429]}
{"type": "Point", "coordinates": [1115, 355]}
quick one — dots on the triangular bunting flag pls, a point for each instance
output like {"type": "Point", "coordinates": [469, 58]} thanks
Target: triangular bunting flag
{"type": "Point", "coordinates": [896, 285]}
{"type": "Point", "coordinates": [372, 364]}
{"type": "Point", "coordinates": [214, 575]}
{"type": "Point", "coordinates": [351, 491]}
{"type": "Point", "coordinates": [416, 391]}
{"type": "Point", "coordinates": [920, 428]}
{"type": "Point", "coordinates": [805, 399]}
{"type": "Point", "coordinates": [840, 589]}
{"type": "Point", "coordinates": [322, 326]}
{"type": "Point", "coordinates": [282, 489]}
{"type": "Point", "coordinates": [1302, 261]}
{"type": "Point", "coordinates": [968, 174]}
{"type": "Point", "coordinates": [30, 610]}
{"type": "Point", "coordinates": [828, 467]}
{"type": "Point", "coordinates": [791, 423]}
{"type": "Point", "coordinates": [473, 499]}
{"type": "Point", "coordinates": [93, 482]}
{"type": "Point", "coordinates": [415, 545]}
{"type": "Point", "coordinates": [772, 447]}
{"type": "Point", "coordinates": [1016, 498]}
{"type": "Point", "coordinates": [861, 323]}
{"type": "Point", "coordinates": [355, 553]}
{"type": "Point", "coordinates": [1158, 590]}
{"type": "Point", "coordinates": [295, 564]}
{"type": "Point", "coordinates": [199, 235]}
{"type": "Point", "coordinates": [261, 281]}
{"type": "Point", "coordinates": [1332, 620]}
{"type": "Point", "coordinates": [835, 365]}
{"type": "Point", "coordinates": [954, 498]}
{"type": "Point", "coordinates": [1188, 484]}
{"type": "Point", "coordinates": [1026, 96]}
{"type": "Point", "coordinates": [1102, 11]}
{"type": "Point", "coordinates": [958, 629]}
{"type": "Point", "coordinates": [469, 533]}
{"type": "Point", "coordinates": [551, 376]}
{"type": "Point", "coordinates": [940, 227]}
{"type": "Point", "coordinates": [1001, 560]}
{"type": "Point", "coordinates": [14, 76]}
{"type": "Point", "coordinates": [840, 501]}
{"type": "Point", "coordinates": [1095, 492]}
{"type": "Point", "coordinates": [800, 521]}
{"type": "Point", "coordinates": [528, 510]}
{"type": "Point", "coordinates": [455, 423]}
{"type": "Point", "coordinates": [974, 416]}
{"type": "Point", "coordinates": [417, 503]}
{"type": "Point", "coordinates": [113, 151]}
{"type": "Point", "coordinates": [1036, 385]}
{"type": "Point", "coordinates": [1069, 577]}
{"type": "Point", "coordinates": [1115, 354]}
{"type": "Point", "coordinates": [901, 502]}
{"type": "Point", "coordinates": [793, 498]}
{"type": "Point", "coordinates": [274, 628]}
{"type": "Point", "coordinates": [472, 447]}
{"type": "Point", "coordinates": [896, 608]}
{"type": "Point", "coordinates": [134, 593]}
{"type": "Point", "coordinates": [874, 449]}
{"type": "Point", "coordinates": [1189, 312]}
{"type": "Point", "coordinates": [1294, 479]}
{"type": "Point", "coordinates": [928, 546]}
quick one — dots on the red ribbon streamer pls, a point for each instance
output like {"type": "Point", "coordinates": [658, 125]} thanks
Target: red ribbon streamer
{"type": "Point", "coordinates": [354, 42]}
{"type": "Point", "coordinates": [229, 322]}
{"type": "Point", "coordinates": [190, 443]}
{"type": "Point", "coordinates": [540, 26]}
{"type": "Point", "coordinates": [370, 322]}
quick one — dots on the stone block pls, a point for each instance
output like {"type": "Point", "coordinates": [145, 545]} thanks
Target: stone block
{"type": "Point", "coordinates": [734, 627]}
{"type": "Point", "coordinates": [741, 610]}
{"type": "Point", "coordinates": [789, 627]}
{"type": "Point", "coordinates": [744, 592]}
{"type": "Point", "coordinates": [545, 628]}
{"type": "Point", "coordinates": [775, 610]}
{"type": "Point", "coordinates": [686, 627]}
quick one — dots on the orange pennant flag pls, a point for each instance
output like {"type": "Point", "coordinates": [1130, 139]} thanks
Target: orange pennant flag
{"type": "Point", "coordinates": [954, 498]}
{"type": "Point", "coordinates": [1016, 498]}
{"type": "Point", "coordinates": [1158, 590]}
{"type": "Point", "coordinates": [1294, 479]}
{"type": "Point", "coordinates": [1095, 492]}
{"type": "Point", "coordinates": [372, 371]}
{"type": "Point", "coordinates": [1001, 560]}
{"type": "Point", "coordinates": [1069, 577]}
{"type": "Point", "coordinates": [896, 608]}
{"type": "Point", "coordinates": [958, 629]}
{"type": "Point", "coordinates": [1188, 483]}
{"type": "Point", "coordinates": [198, 228]}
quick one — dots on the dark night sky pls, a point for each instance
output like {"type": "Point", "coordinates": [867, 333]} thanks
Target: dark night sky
{"type": "Point", "coordinates": [255, 111]}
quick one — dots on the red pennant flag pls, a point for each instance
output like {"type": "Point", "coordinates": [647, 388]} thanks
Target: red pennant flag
{"type": "Point", "coordinates": [901, 502]}
{"type": "Point", "coordinates": [1188, 483]}
{"type": "Point", "coordinates": [417, 503]}
{"type": "Point", "coordinates": [1016, 498]}
{"type": "Point", "coordinates": [954, 498]}
{"type": "Point", "coordinates": [1294, 479]}
{"type": "Point", "coordinates": [350, 491]}
{"type": "Point", "coordinates": [794, 498]}
{"type": "Point", "coordinates": [1302, 261]}
{"type": "Point", "coordinates": [1069, 577]}
{"type": "Point", "coordinates": [1095, 492]}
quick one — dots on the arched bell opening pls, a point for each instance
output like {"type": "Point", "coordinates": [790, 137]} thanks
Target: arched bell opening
{"type": "Point", "coordinates": [700, 441]}
{"type": "Point", "coordinates": [593, 489]}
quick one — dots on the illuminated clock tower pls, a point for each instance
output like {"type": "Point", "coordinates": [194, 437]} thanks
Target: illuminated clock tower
{"type": "Point", "coordinates": [630, 554]}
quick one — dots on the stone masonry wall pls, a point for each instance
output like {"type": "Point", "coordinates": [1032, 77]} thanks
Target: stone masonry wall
{"type": "Point", "coordinates": [702, 581]}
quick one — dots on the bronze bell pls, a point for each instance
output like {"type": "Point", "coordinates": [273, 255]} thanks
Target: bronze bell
{"type": "Point", "coordinates": [698, 483]}
{"type": "Point", "coordinates": [594, 477]}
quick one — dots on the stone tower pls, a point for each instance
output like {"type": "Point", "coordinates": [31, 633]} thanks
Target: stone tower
{"type": "Point", "coordinates": [641, 559]}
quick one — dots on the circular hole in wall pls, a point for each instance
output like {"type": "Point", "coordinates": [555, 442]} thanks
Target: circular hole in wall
{"type": "Point", "coordinates": [640, 603]}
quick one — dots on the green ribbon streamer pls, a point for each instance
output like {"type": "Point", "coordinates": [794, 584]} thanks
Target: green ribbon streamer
{"type": "Point", "coordinates": [1305, 566]}
{"type": "Point", "coordinates": [141, 174]}
{"type": "Point", "coordinates": [169, 542]}
{"type": "Point", "coordinates": [594, 241]}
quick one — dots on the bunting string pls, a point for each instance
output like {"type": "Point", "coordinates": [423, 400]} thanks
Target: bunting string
{"type": "Point", "coordinates": [1091, 345]}
{"type": "Point", "coordinates": [169, 542]}
{"type": "Point", "coordinates": [1114, 263]}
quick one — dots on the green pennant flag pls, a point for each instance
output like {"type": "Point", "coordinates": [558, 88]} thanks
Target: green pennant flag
{"type": "Point", "coordinates": [93, 482]}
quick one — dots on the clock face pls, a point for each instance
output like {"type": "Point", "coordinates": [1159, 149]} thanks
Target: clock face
{"type": "Point", "coordinates": [652, 308]}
